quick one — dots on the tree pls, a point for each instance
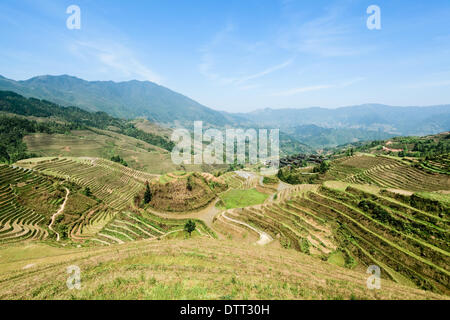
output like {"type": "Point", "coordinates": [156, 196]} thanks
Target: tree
{"type": "Point", "coordinates": [87, 192]}
{"type": "Point", "coordinates": [189, 227]}
{"type": "Point", "coordinates": [190, 183]}
{"type": "Point", "coordinates": [322, 168]}
{"type": "Point", "coordinates": [148, 193]}
{"type": "Point", "coordinates": [4, 156]}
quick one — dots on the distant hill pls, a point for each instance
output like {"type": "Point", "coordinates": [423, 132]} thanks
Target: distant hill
{"type": "Point", "coordinates": [128, 100]}
{"type": "Point", "coordinates": [374, 117]}
{"type": "Point", "coordinates": [18, 117]}
{"type": "Point", "coordinates": [319, 137]}
{"type": "Point", "coordinates": [317, 127]}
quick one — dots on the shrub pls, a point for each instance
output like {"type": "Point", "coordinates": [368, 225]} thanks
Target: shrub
{"type": "Point", "coordinates": [189, 227]}
{"type": "Point", "coordinates": [190, 183]}
{"type": "Point", "coordinates": [87, 192]}
{"type": "Point", "coordinates": [147, 194]}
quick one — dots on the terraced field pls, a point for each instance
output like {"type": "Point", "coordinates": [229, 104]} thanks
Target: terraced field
{"type": "Point", "coordinates": [440, 164]}
{"type": "Point", "coordinates": [113, 220]}
{"type": "Point", "coordinates": [406, 234]}
{"type": "Point", "coordinates": [23, 215]}
{"type": "Point", "coordinates": [233, 180]}
{"type": "Point", "coordinates": [366, 210]}
{"type": "Point", "coordinates": [388, 173]}
{"type": "Point", "coordinates": [113, 183]}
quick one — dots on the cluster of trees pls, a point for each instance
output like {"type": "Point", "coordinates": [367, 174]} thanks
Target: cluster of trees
{"type": "Point", "coordinates": [269, 180]}
{"type": "Point", "coordinates": [160, 141]}
{"type": "Point", "coordinates": [431, 148]}
{"type": "Point", "coordinates": [120, 160]}
{"type": "Point", "coordinates": [73, 118]}
{"type": "Point", "coordinates": [293, 176]}
{"type": "Point", "coordinates": [322, 168]}
{"type": "Point", "coordinates": [87, 192]}
{"type": "Point", "coordinates": [12, 131]}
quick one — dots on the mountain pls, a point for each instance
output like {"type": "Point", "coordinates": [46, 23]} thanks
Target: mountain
{"type": "Point", "coordinates": [393, 120]}
{"type": "Point", "coordinates": [318, 127]}
{"type": "Point", "coordinates": [20, 116]}
{"type": "Point", "coordinates": [129, 99]}
{"type": "Point", "coordinates": [319, 137]}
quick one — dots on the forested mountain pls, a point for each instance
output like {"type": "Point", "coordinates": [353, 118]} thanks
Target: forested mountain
{"type": "Point", "coordinates": [129, 99]}
{"type": "Point", "coordinates": [393, 120]}
{"type": "Point", "coordinates": [318, 127]}
{"type": "Point", "coordinates": [319, 137]}
{"type": "Point", "coordinates": [57, 120]}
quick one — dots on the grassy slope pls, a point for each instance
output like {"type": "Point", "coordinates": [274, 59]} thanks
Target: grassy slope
{"type": "Point", "coordinates": [189, 269]}
{"type": "Point", "coordinates": [104, 144]}
{"type": "Point", "coordinates": [242, 198]}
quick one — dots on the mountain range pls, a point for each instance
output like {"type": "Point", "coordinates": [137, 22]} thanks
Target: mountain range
{"type": "Point", "coordinates": [317, 127]}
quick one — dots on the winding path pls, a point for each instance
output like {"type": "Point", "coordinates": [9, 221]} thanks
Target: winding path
{"type": "Point", "coordinates": [264, 238]}
{"type": "Point", "coordinates": [61, 210]}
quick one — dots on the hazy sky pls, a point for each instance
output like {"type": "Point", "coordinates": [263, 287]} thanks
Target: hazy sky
{"type": "Point", "coordinates": [240, 55]}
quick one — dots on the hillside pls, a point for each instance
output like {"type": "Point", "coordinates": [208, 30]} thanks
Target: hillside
{"type": "Point", "coordinates": [32, 127]}
{"type": "Point", "coordinates": [429, 153]}
{"type": "Point", "coordinates": [363, 210]}
{"type": "Point", "coordinates": [319, 137]}
{"type": "Point", "coordinates": [127, 100]}
{"type": "Point", "coordinates": [393, 120]}
{"type": "Point", "coordinates": [315, 127]}
{"type": "Point", "coordinates": [383, 203]}
{"type": "Point", "coordinates": [184, 269]}
{"type": "Point", "coordinates": [99, 208]}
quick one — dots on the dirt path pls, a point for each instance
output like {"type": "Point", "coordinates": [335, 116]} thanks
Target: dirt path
{"type": "Point", "coordinates": [61, 210]}
{"type": "Point", "coordinates": [282, 186]}
{"type": "Point", "coordinates": [264, 238]}
{"type": "Point", "coordinates": [206, 214]}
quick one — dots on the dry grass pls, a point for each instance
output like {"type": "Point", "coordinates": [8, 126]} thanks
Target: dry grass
{"type": "Point", "coordinates": [190, 269]}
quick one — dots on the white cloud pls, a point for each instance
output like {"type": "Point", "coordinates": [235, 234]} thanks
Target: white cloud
{"type": "Point", "coordinates": [295, 91]}
{"type": "Point", "coordinates": [224, 49]}
{"type": "Point", "coordinates": [114, 57]}
{"type": "Point", "coordinates": [430, 84]}
{"type": "Point", "coordinates": [266, 71]}
{"type": "Point", "coordinates": [330, 35]}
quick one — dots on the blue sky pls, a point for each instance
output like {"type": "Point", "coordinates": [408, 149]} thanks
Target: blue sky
{"type": "Point", "coordinates": [240, 55]}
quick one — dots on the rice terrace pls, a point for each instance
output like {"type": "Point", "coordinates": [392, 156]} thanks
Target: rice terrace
{"type": "Point", "coordinates": [119, 188]}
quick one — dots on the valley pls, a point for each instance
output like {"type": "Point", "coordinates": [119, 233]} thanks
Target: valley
{"type": "Point", "coordinates": [352, 218]}
{"type": "Point", "coordinates": [102, 193]}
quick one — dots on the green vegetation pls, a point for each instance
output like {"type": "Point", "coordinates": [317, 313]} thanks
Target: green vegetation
{"type": "Point", "coordinates": [322, 167]}
{"type": "Point", "coordinates": [147, 194]}
{"type": "Point", "coordinates": [87, 192]}
{"type": "Point", "coordinates": [242, 198]}
{"type": "Point", "coordinates": [12, 131]}
{"type": "Point", "coordinates": [186, 269]}
{"type": "Point", "coordinates": [75, 118]}
{"type": "Point", "coordinates": [189, 227]}
{"type": "Point", "coordinates": [190, 183]}
{"type": "Point", "coordinates": [388, 206]}
{"type": "Point", "coordinates": [118, 159]}
{"type": "Point", "coordinates": [296, 176]}
{"type": "Point", "coordinates": [270, 180]}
